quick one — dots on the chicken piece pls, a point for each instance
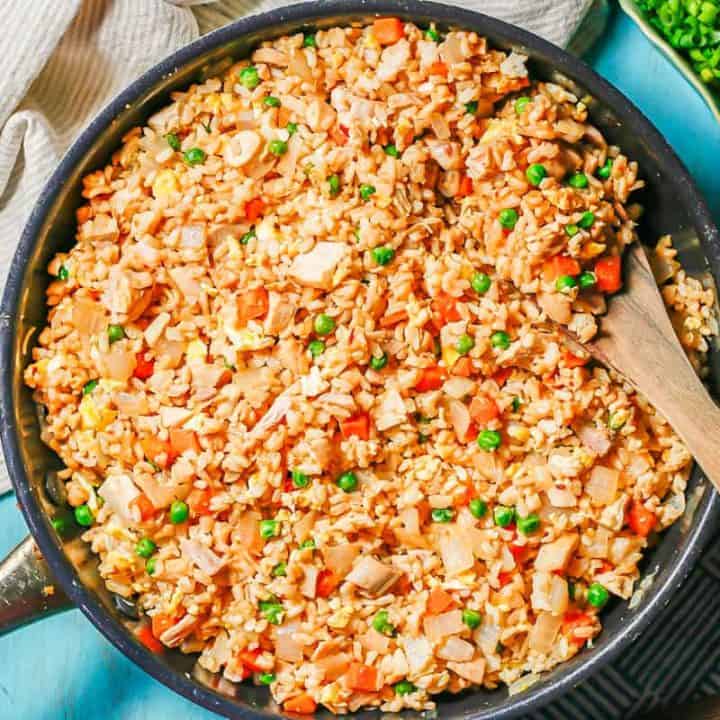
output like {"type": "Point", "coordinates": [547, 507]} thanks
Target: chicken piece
{"type": "Point", "coordinates": [174, 635]}
{"type": "Point", "coordinates": [557, 307]}
{"type": "Point", "coordinates": [280, 314]}
{"type": "Point", "coordinates": [456, 650]}
{"type": "Point", "coordinates": [446, 154]}
{"type": "Point", "coordinates": [440, 626]}
{"type": "Point", "coordinates": [339, 559]}
{"type": "Point", "coordinates": [102, 228]}
{"type": "Point", "coordinates": [241, 148]}
{"type": "Point", "coordinates": [473, 671]}
{"type": "Point", "coordinates": [373, 576]}
{"type": "Point", "coordinates": [391, 410]}
{"type": "Point", "coordinates": [594, 438]}
{"type": "Point", "coordinates": [556, 555]}
{"type": "Point", "coordinates": [316, 268]}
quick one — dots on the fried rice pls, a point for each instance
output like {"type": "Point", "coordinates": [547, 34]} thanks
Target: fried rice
{"type": "Point", "coordinates": [303, 369]}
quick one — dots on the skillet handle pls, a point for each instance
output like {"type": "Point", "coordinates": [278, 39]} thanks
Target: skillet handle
{"type": "Point", "coordinates": [28, 592]}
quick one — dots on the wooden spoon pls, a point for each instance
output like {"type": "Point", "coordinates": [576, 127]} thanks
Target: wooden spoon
{"type": "Point", "coordinates": [637, 340]}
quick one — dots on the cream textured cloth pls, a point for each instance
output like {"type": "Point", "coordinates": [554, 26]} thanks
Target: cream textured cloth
{"type": "Point", "coordinates": [64, 59]}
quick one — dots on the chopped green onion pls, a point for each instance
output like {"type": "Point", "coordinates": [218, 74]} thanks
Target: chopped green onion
{"type": "Point", "coordinates": [63, 273]}
{"type": "Point", "coordinates": [173, 141]}
{"type": "Point", "coordinates": [280, 570]}
{"type": "Point", "coordinates": [333, 182]}
{"type": "Point", "coordinates": [291, 127]}
{"type": "Point", "coordinates": [471, 107]}
{"type": "Point", "coordinates": [299, 479]}
{"type": "Point", "coordinates": [520, 104]}
{"type": "Point", "coordinates": [266, 678]}
{"type": "Point", "coordinates": [89, 386]}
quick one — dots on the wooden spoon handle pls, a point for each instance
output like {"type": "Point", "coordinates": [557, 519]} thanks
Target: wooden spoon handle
{"type": "Point", "coordinates": [638, 341]}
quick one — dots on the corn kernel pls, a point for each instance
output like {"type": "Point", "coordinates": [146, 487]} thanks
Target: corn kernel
{"type": "Point", "coordinates": [165, 184]}
{"type": "Point", "coordinates": [593, 249]}
{"type": "Point", "coordinates": [341, 618]}
{"type": "Point", "coordinates": [196, 350]}
{"type": "Point", "coordinates": [213, 100]}
{"type": "Point", "coordinates": [450, 355]}
{"type": "Point", "coordinates": [227, 100]}
{"type": "Point", "coordinates": [518, 432]}
{"type": "Point", "coordinates": [94, 418]}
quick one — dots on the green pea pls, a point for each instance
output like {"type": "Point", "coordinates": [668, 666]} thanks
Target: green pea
{"type": "Point", "coordinates": [272, 611]}
{"type": "Point", "coordinates": [471, 107]}
{"type": "Point", "coordinates": [480, 283]}
{"type": "Point", "coordinates": [391, 150]}
{"type": "Point", "coordinates": [278, 147]}
{"type": "Point", "coordinates": [516, 404]}
{"type": "Point", "coordinates": [378, 363]}
{"type": "Point", "coordinates": [432, 34]}
{"type": "Point", "coordinates": [292, 128]}
{"type": "Point", "coordinates": [366, 191]}
{"type": "Point", "coordinates": [442, 515]}
{"type": "Point", "coordinates": [529, 524]}
{"type": "Point", "coordinates": [115, 333]}
{"type": "Point", "coordinates": [272, 101]}
{"type": "Point", "coordinates": [63, 273]}
{"type": "Point", "coordinates": [299, 479]}
{"type": "Point", "coordinates": [179, 512]}
{"type": "Point", "coordinates": [478, 508]}
{"type": "Point", "coordinates": [280, 570]}
{"type": "Point", "coordinates": [536, 173]}
{"type": "Point", "coordinates": [89, 386]}
{"type": "Point", "coordinates": [266, 678]}
{"type": "Point", "coordinates": [489, 440]}
{"type": "Point", "coordinates": [308, 544]}
{"type": "Point", "coordinates": [520, 104]}
{"type": "Point", "coordinates": [503, 516]}
{"type": "Point", "coordinates": [565, 283]}
{"type": "Point", "coordinates": [587, 280]}
{"type": "Point", "coordinates": [472, 618]}
{"type": "Point", "coordinates": [464, 344]}
{"type": "Point", "coordinates": [145, 548]}
{"type": "Point", "coordinates": [404, 687]}
{"type": "Point", "coordinates": [587, 220]}
{"type": "Point", "coordinates": [571, 230]}
{"type": "Point", "coordinates": [333, 182]}
{"type": "Point", "coordinates": [84, 516]}
{"type": "Point", "coordinates": [249, 77]}
{"type": "Point", "coordinates": [248, 236]}
{"type": "Point", "coordinates": [578, 181]}
{"type": "Point", "coordinates": [269, 529]}
{"type": "Point", "coordinates": [323, 324]}
{"type": "Point", "coordinates": [347, 482]}
{"type": "Point", "coordinates": [62, 526]}
{"type": "Point", "coordinates": [508, 218]}
{"type": "Point", "coordinates": [173, 141]}
{"type": "Point", "coordinates": [316, 347]}
{"type": "Point", "coordinates": [423, 438]}
{"type": "Point", "coordinates": [597, 595]}
{"type": "Point", "coordinates": [194, 156]}
{"type": "Point", "coordinates": [309, 40]}
{"type": "Point", "coordinates": [381, 623]}
{"type": "Point", "coordinates": [383, 255]}
{"type": "Point", "coordinates": [150, 566]}
{"type": "Point", "coordinates": [617, 420]}
{"type": "Point", "coordinates": [500, 339]}
{"type": "Point", "coordinates": [605, 171]}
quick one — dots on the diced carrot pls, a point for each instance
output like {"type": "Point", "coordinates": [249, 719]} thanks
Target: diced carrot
{"type": "Point", "coordinates": [560, 265]}
{"type": "Point", "coordinates": [327, 581]}
{"type": "Point", "coordinates": [574, 620]}
{"type": "Point", "coordinates": [153, 448]}
{"type": "Point", "coordinates": [144, 368]}
{"type": "Point", "coordinates": [573, 361]}
{"type": "Point", "coordinates": [145, 636]}
{"type": "Point", "coordinates": [393, 318]}
{"type": "Point", "coordinates": [608, 274]}
{"type": "Point", "coordinates": [301, 704]}
{"type": "Point", "coordinates": [254, 209]}
{"type": "Point", "coordinates": [252, 304]}
{"type": "Point", "coordinates": [388, 30]}
{"type": "Point", "coordinates": [501, 376]}
{"type": "Point", "coordinates": [439, 601]}
{"type": "Point", "coordinates": [438, 68]}
{"type": "Point", "coordinates": [483, 409]}
{"type": "Point", "coordinates": [463, 367]}
{"type": "Point", "coordinates": [83, 214]}
{"type": "Point", "coordinates": [362, 677]}
{"type": "Point", "coordinates": [605, 567]}
{"type": "Point", "coordinates": [402, 586]}
{"type": "Point", "coordinates": [358, 424]}
{"type": "Point", "coordinates": [445, 310]}
{"type": "Point", "coordinates": [340, 134]}
{"type": "Point", "coordinates": [472, 432]}
{"type": "Point", "coordinates": [518, 552]}
{"type": "Point", "coordinates": [466, 186]}
{"type": "Point", "coordinates": [640, 519]}
{"type": "Point", "coordinates": [504, 578]}
{"type": "Point", "coordinates": [248, 658]}
{"type": "Point", "coordinates": [180, 441]}
{"type": "Point", "coordinates": [199, 501]}
{"type": "Point", "coordinates": [146, 508]}
{"type": "Point", "coordinates": [161, 623]}
{"type": "Point", "coordinates": [431, 379]}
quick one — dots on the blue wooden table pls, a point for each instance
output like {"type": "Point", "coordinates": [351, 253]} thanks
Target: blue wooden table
{"type": "Point", "coordinates": [63, 669]}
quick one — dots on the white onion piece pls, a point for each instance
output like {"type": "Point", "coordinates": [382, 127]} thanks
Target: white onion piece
{"type": "Point", "coordinates": [203, 557]}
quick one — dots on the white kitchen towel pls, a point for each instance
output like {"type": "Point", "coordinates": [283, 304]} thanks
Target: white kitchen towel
{"type": "Point", "coordinates": [64, 59]}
